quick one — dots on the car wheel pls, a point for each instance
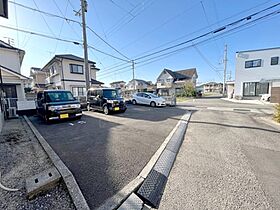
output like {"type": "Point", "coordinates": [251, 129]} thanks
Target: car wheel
{"type": "Point", "coordinates": [153, 104]}
{"type": "Point", "coordinates": [46, 120]}
{"type": "Point", "coordinates": [134, 102]}
{"type": "Point", "coordinates": [105, 110]}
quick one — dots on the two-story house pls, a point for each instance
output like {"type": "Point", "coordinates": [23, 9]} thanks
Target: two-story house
{"type": "Point", "coordinates": [67, 72]}
{"type": "Point", "coordinates": [213, 87]}
{"type": "Point", "coordinates": [10, 64]}
{"type": "Point", "coordinates": [171, 83]}
{"type": "Point", "coordinates": [38, 79]}
{"type": "Point", "coordinates": [257, 73]}
{"type": "Point", "coordinates": [118, 85]}
{"type": "Point", "coordinates": [138, 85]}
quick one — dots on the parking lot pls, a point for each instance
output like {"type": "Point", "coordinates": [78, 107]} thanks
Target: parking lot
{"type": "Point", "coordinates": [106, 152]}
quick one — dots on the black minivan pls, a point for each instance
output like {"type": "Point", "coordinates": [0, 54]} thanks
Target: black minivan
{"type": "Point", "coordinates": [106, 100]}
{"type": "Point", "coordinates": [57, 104]}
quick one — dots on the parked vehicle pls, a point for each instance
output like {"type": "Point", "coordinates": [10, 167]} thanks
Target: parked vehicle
{"type": "Point", "coordinates": [148, 99]}
{"type": "Point", "coordinates": [57, 104]}
{"type": "Point", "coordinates": [105, 99]}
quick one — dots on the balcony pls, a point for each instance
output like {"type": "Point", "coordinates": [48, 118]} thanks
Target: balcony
{"type": "Point", "coordinates": [164, 85]}
{"type": "Point", "coordinates": [53, 79]}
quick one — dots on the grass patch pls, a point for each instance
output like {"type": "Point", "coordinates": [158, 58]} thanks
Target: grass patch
{"type": "Point", "coordinates": [181, 99]}
{"type": "Point", "coordinates": [276, 116]}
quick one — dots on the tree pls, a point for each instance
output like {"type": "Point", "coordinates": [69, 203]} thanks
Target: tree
{"type": "Point", "coordinates": [188, 90]}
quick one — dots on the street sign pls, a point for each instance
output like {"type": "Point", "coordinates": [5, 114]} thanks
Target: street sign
{"type": "Point", "coordinates": [4, 8]}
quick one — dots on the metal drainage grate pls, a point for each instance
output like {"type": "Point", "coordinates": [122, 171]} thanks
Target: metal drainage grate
{"type": "Point", "coordinates": [152, 188]}
{"type": "Point", "coordinates": [165, 162]}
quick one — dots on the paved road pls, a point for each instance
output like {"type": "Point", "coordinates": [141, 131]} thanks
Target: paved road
{"type": "Point", "coordinates": [108, 152]}
{"type": "Point", "coordinates": [228, 160]}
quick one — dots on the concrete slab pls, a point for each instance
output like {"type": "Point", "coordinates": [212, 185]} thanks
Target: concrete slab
{"type": "Point", "coordinates": [42, 182]}
{"type": "Point", "coordinates": [133, 202]}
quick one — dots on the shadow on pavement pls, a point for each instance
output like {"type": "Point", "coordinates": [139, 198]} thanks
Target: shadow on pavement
{"type": "Point", "coordinates": [84, 150]}
{"type": "Point", "coordinates": [235, 126]}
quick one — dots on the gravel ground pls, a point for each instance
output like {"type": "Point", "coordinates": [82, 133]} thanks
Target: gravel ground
{"type": "Point", "coordinates": [227, 161]}
{"type": "Point", "coordinates": [22, 157]}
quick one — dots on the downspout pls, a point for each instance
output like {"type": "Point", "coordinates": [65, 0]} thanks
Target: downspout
{"type": "Point", "coordinates": [63, 82]}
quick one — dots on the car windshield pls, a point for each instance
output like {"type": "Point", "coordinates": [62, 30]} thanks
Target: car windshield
{"type": "Point", "coordinates": [110, 94]}
{"type": "Point", "coordinates": [59, 96]}
{"type": "Point", "coordinates": [153, 95]}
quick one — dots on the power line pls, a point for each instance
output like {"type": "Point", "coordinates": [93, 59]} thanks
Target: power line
{"type": "Point", "coordinates": [247, 18]}
{"type": "Point", "coordinates": [68, 20]}
{"type": "Point", "coordinates": [203, 41]}
{"type": "Point", "coordinates": [60, 39]}
{"type": "Point", "coordinates": [120, 7]}
{"type": "Point", "coordinates": [200, 30]}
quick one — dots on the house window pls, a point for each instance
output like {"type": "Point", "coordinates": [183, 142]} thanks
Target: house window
{"type": "Point", "coordinates": [253, 63]}
{"type": "Point", "coordinates": [78, 91]}
{"type": "Point", "coordinates": [274, 61]}
{"type": "Point", "coordinates": [255, 88]}
{"type": "Point", "coordinates": [76, 69]}
{"type": "Point", "coordinates": [168, 80]}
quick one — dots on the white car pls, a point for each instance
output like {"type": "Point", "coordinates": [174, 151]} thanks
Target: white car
{"type": "Point", "coordinates": [148, 99]}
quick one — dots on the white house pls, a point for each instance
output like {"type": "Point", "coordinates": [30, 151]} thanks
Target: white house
{"type": "Point", "coordinates": [67, 72]}
{"type": "Point", "coordinates": [10, 63]}
{"type": "Point", "coordinates": [258, 72]}
{"type": "Point", "coordinates": [172, 82]}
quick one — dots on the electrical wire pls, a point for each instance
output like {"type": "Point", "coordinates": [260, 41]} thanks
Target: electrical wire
{"type": "Point", "coordinates": [69, 20]}
{"type": "Point", "coordinates": [248, 18]}
{"type": "Point", "coordinates": [60, 39]}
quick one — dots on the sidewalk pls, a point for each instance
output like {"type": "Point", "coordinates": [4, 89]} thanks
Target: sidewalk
{"type": "Point", "coordinates": [258, 102]}
{"type": "Point", "coordinates": [21, 157]}
{"type": "Point", "coordinates": [225, 164]}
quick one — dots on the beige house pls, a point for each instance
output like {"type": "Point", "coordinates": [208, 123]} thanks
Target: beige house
{"type": "Point", "coordinates": [67, 72]}
{"type": "Point", "coordinates": [38, 79]}
{"type": "Point", "coordinates": [171, 83]}
{"type": "Point", "coordinates": [213, 87]}
{"type": "Point", "coordinates": [118, 85]}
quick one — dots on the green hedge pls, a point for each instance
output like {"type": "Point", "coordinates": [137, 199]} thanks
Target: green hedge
{"type": "Point", "coordinates": [277, 113]}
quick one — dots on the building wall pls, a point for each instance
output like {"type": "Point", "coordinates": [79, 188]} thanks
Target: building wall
{"type": "Point", "coordinates": [164, 80]}
{"type": "Point", "coordinates": [68, 75]}
{"type": "Point", "coordinates": [10, 59]}
{"type": "Point", "coordinates": [265, 71]}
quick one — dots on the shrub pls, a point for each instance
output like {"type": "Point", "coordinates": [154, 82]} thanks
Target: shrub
{"type": "Point", "coordinates": [277, 113]}
{"type": "Point", "coordinates": [188, 90]}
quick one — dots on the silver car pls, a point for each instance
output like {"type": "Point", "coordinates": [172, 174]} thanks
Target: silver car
{"type": "Point", "coordinates": [148, 99]}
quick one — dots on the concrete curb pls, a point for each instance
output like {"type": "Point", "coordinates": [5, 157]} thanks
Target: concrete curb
{"type": "Point", "coordinates": [153, 186]}
{"type": "Point", "coordinates": [67, 176]}
{"type": "Point", "coordinates": [115, 201]}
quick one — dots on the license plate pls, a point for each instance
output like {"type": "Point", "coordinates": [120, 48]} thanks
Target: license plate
{"type": "Point", "coordinates": [117, 108]}
{"type": "Point", "coordinates": [62, 116]}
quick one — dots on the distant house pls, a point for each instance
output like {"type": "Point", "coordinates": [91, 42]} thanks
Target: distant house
{"type": "Point", "coordinates": [138, 85]}
{"type": "Point", "coordinates": [118, 85]}
{"type": "Point", "coordinates": [67, 72]}
{"type": "Point", "coordinates": [172, 82]}
{"type": "Point", "coordinates": [38, 79]}
{"type": "Point", "coordinates": [257, 73]}
{"type": "Point", "coordinates": [213, 87]}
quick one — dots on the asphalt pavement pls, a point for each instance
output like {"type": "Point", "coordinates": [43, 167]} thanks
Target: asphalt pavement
{"type": "Point", "coordinates": [105, 153]}
{"type": "Point", "coordinates": [228, 160]}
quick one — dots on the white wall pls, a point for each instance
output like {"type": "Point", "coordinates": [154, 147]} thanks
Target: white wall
{"type": "Point", "coordinates": [266, 71]}
{"type": "Point", "coordinates": [10, 59]}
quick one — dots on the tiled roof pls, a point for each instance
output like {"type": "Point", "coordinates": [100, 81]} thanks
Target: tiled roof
{"type": "Point", "coordinates": [182, 74]}
{"type": "Point", "coordinates": [72, 57]}
{"type": "Point", "coordinates": [95, 82]}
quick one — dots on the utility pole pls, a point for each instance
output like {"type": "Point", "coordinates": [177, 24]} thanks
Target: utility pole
{"type": "Point", "coordinates": [84, 10]}
{"type": "Point", "coordinates": [133, 75]}
{"type": "Point", "coordinates": [225, 70]}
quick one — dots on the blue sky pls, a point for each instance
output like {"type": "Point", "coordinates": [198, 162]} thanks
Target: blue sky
{"type": "Point", "coordinates": [135, 27]}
